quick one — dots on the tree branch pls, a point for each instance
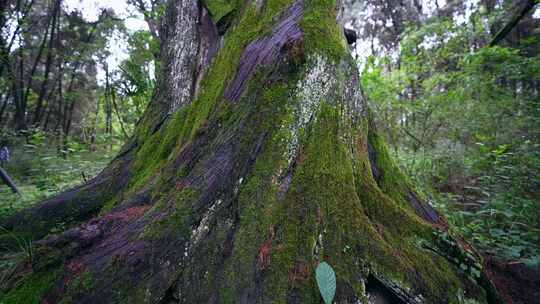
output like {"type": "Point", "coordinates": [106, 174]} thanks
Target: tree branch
{"type": "Point", "coordinates": [525, 8]}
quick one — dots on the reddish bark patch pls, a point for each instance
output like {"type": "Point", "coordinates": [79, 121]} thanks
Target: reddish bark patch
{"type": "Point", "coordinates": [300, 273]}
{"type": "Point", "coordinates": [264, 250]}
{"type": "Point", "coordinates": [516, 283]}
{"type": "Point", "coordinates": [72, 270]}
{"type": "Point", "coordinates": [126, 214]}
{"type": "Point", "coordinates": [75, 267]}
{"type": "Point", "coordinates": [181, 185]}
{"type": "Point", "coordinates": [319, 216]}
{"type": "Point", "coordinates": [110, 221]}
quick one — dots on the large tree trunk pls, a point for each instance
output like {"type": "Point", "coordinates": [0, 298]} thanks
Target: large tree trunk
{"type": "Point", "coordinates": [255, 161]}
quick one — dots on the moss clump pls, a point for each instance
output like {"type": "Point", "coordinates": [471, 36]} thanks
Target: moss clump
{"type": "Point", "coordinates": [219, 8]}
{"type": "Point", "coordinates": [180, 218]}
{"type": "Point", "coordinates": [156, 149]}
{"type": "Point", "coordinates": [258, 192]}
{"type": "Point", "coordinates": [34, 286]}
{"type": "Point", "coordinates": [78, 285]}
{"type": "Point", "coordinates": [321, 204]}
{"type": "Point", "coordinates": [402, 233]}
{"type": "Point", "coordinates": [322, 34]}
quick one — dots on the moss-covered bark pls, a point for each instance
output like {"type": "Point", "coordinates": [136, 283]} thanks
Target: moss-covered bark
{"type": "Point", "coordinates": [235, 193]}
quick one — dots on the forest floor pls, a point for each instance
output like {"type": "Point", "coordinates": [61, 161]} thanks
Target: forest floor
{"type": "Point", "coordinates": [516, 282]}
{"type": "Point", "coordinates": [40, 170]}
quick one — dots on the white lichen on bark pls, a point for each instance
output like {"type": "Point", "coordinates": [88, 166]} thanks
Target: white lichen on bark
{"type": "Point", "coordinates": [181, 52]}
{"type": "Point", "coordinates": [323, 82]}
{"type": "Point", "coordinates": [310, 92]}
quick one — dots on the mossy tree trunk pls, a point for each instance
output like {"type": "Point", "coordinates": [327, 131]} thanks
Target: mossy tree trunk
{"type": "Point", "coordinates": [255, 161]}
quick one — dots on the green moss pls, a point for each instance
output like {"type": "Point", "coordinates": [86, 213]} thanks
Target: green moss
{"type": "Point", "coordinates": [223, 68]}
{"type": "Point", "coordinates": [156, 150]}
{"type": "Point", "coordinates": [179, 219]}
{"type": "Point", "coordinates": [109, 205]}
{"type": "Point", "coordinates": [258, 191]}
{"type": "Point", "coordinates": [392, 181]}
{"type": "Point", "coordinates": [325, 204]}
{"type": "Point", "coordinates": [81, 283]}
{"type": "Point", "coordinates": [332, 195]}
{"type": "Point", "coordinates": [395, 249]}
{"type": "Point", "coordinates": [32, 288]}
{"type": "Point", "coordinates": [322, 34]}
{"type": "Point", "coordinates": [273, 7]}
{"type": "Point", "coordinates": [219, 8]}
{"type": "Point", "coordinates": [358, 224]}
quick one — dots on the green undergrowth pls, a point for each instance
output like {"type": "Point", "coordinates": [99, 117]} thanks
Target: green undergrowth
{"type": "Point", "coordinates": [40, 171]}
{"type": "Point", "coordinates": [31, 289]}
{"type": "Point", "coordinates": [392, 181]}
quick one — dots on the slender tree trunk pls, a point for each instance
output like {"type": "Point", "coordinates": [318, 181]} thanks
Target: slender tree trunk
{"type": "Point", "coordinates": [3, 7]}
{"type": "Point", "coordinates": [18, 93]}
{"type": "Point", "coordinates": [36, 63]}
{"type": "Point", "coordinates": [5, 101]}
{"type": "Point", "coordinates": [5, 48]}
{"type": "Point", "coordinates": [4, 52]}
{"type": "Point", "coordinates": [256, 160]}
{"type": "Point", "coordinates": [48, 106]}
{"type": "Point", "coordinates": [120, 120]}
{"type": "Point", "coordinates": [48, 63]}
{"type": "Point", "coordinates": [60, 98]}
{"type": "Point", "coordinates": [69, 108]}
{"type": "Point", "coordinates": [94, 125]}
{"type": "Point", "coordinates": [108, 107]}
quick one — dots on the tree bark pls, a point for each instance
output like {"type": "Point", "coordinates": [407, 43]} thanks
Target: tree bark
{"type": "Point", "coordinates": [256, 160]}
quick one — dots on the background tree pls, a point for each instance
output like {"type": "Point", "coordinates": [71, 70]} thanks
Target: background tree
{"type": "Point", "coordinates": [48, 55]}
{"type": "Point", "coordinates": [61, 139]}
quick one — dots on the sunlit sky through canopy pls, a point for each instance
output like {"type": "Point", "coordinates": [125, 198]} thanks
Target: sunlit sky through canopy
{"type": "Point", "coordinates": [118, 44]}
{"type": "Point", "coordinates": [134, 21]}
